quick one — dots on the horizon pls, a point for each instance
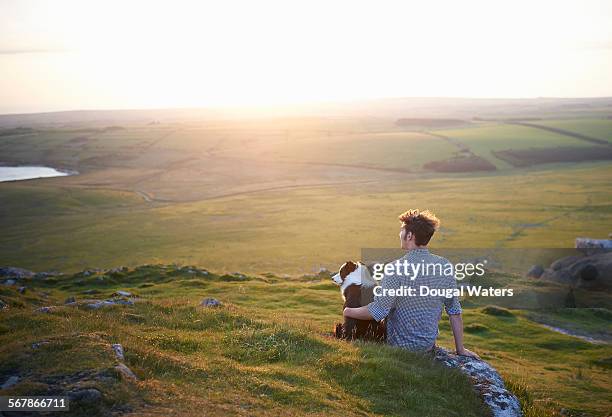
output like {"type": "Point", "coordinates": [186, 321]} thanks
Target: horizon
{"type": "Point", "coordinates": [305, 104]}
{"type": "Point", "coordinates": [70, 56]}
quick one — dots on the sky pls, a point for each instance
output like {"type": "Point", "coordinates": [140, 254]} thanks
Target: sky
{"type": "Point", "coordinates": [115, 54]}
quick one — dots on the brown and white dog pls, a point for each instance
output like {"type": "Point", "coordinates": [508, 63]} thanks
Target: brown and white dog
{"type": "Point", "coordinates": [357, 290]}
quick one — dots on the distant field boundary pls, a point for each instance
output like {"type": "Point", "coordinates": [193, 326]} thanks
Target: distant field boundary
{"type": "Point", "coordinates": [563, 132]}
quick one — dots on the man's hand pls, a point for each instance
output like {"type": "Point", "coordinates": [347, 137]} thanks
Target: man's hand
{"type": "Point", "coordinates": [360, 313]}
{"type": "Point", "coordinates": [467, 352]}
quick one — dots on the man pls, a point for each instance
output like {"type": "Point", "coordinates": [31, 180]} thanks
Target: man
{"type": "Point", "coordinates": [412, 320]}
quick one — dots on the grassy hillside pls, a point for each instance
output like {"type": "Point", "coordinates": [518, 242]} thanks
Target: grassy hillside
{"type": "Point", "coordinates": [267, 351]}
{"type": "Point", "coordinates": [248, 357]}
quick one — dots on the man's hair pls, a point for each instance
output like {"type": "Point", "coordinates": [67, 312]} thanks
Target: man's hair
{"type": "Point", "coordinates": [422, 224]}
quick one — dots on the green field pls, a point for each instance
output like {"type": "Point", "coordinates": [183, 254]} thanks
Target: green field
{"type": "Point", "coordinates": [597, 128]}
{"type": "Point", "coordinates": [495, 137]}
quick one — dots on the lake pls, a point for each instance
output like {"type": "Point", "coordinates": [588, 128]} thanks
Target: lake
{"type": "Point", "coordinates": [29, 172]}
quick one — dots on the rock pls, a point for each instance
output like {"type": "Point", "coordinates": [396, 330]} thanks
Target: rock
{"type": "Point", "coordinates": [117, 270]}
{"type": "Point", "coordinates": [48, 309]}
{"type": "Point", "coordinates": [587, 243]}
{"type": "Point", "coordinates": [135, 318]}
{"type": "Point", "coordinates": [126, 372]}
{"type": "Point", "coordinates": [592, 272]}
{"type": "Point", "coordinates": [17, 273]}
{"type": "Point", "coordinates": [13, 380]}
{"type": "Point", "coordinates": [487, 383]}
{"type": "Point", "coordinates": [70, 300]}
{"type": "Point", "coordinates": [535, 271]}
{"type": "Point", "coordinates": [86, 396]}
{"type": "Point", "coordinates": [45, 275]}
{"type": "Point", "coordinates": [21, 290]}
{"type": "Point", "coordinates": [37, 345]}
{"type": "Point", "coordinates": [210, 302]}
{"type": "Point", "coordinates": [10, 282]}
{"type": "Point", "coordinates": [118, 349]}
{"type": "Point", "coordinates": [122, 294]}
{"type": "Point", "coordinates": [97, 304]}
{"type": "Point", "coordinates": [3, 305]}
{"type": "Point", "coordinates": [122, 302]}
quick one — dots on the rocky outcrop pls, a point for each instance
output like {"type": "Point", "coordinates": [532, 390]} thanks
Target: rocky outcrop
{"type": "Point", "coordinates": [487, 383]}
{"type": "Point", "coordinates": [15, 273]}
{"type": "Point", "coordinates": [592, 271]}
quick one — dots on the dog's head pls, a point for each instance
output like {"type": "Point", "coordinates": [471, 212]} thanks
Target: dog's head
{"type": "Point", "coordinates": [345, 270]}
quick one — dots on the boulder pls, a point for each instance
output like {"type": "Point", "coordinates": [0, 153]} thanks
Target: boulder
{"type": "Point", "coordinates": [85, 396]}
{"type": "Point", "coordinates": [487, 383]}
{"type": "Point", "coordinates": [70, 300]}
{"type": "Point", "coordinates": [593, 272]}
{"type": "Point", "coordinates": [210, 302]}
{"type": "Point", "coordinates": [21, 290]}
{"type": "Point", "coordinates": [10, 282]}
{"type": "Point", "coordinates": [535, 271]}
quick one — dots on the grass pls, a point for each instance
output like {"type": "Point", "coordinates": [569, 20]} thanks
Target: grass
{"type": "Point", "coordinates": [242, 356]}
{"type": "Point", "coordinates": [69, 229]}
{"type": "Point", "coordinates": [597, 128]}
{"type": "Point", "coordinates": [268, 350]}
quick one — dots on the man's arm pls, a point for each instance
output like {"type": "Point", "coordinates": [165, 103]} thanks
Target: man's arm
{"type": "Point", "coordinates": [359, 313]}
{"type": "Point", "coordinates": [456, 323]}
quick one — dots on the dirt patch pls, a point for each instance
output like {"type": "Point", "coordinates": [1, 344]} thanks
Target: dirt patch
{"type": "Point", "coordinates": [469, 163]}
{"type": "Point", "coordinates": [533, 156]}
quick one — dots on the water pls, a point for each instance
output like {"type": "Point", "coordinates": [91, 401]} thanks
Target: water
{"type": "Point", "coordinates": [28, 173]}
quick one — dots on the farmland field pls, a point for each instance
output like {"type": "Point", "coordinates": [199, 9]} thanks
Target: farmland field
{"type": "Point", "coordinates": [294, 194]}
{"type": "Point", "coordinates": [597, 128]}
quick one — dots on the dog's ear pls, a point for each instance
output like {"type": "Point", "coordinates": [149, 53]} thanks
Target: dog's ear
{"type": "Point", "coordinates": [347, 268]}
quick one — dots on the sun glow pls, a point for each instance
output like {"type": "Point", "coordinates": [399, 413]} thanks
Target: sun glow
{"type": "Point", "coordinates": [120, 54]}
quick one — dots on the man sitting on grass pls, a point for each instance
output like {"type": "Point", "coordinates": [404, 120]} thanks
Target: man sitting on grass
{"type": "Point", "coordinates": [412, 321]}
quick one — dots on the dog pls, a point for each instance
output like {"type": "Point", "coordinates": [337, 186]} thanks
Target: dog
{"type": "Point", "coordinates": [357, 290]}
